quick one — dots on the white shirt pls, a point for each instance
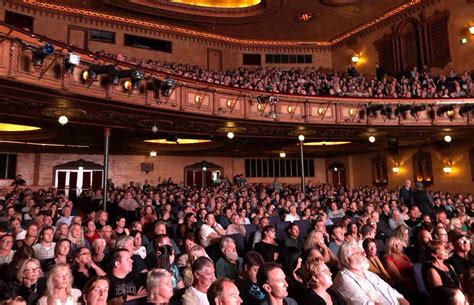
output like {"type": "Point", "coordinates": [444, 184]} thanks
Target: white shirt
{"type": "Point", "coordinates": [357, 290]}
{"type": "Point", "coordinates": [42, 252]}
{"type": "Point", "coordinates": [291, 218]}
{"type": "Point", "coordinates": [205, 231]}
{"type": "Point", "coordinates": [202, 297]}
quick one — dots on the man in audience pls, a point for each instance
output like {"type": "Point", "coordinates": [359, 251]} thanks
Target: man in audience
{"type": "Point", "coordinates": [293, 240]}
{"type": "Point", "coordinates": [229, 264]}
{"type": "Point", "coordinates": [405, 195]}
{"type": "Point", "coordinates": [247, 284]}
{"type": "Point", "coordinates": [462, 259]}
{"type": "Point", "coordinates": [6, 252]}
{"type": "Point", "coordinates": [357, 285]}
{"type": "Point", "coordinates": [272, 280]}
{"type": "Point", "coordinates": [45, 248]}
{"type": "Point", "coordinates": [203, 272]}
{"type": "Point", "coordinates": [223, 292]}
{"type": "Point", "coordinates": [211, 232]}
{"type": "Point", "coordinates": [257, 236]}
{"type": "Point", "coordinates": [422, 199]}
{"type": "Point", "coordinates": [337, 237]}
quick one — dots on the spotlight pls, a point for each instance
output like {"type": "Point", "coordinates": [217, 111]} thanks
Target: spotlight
{"type": "Point", "coordinates": [282, 154]}
{"type": "Point", "coordinates": [471, 30]}
{"type": "Point", "coordinates": [40, 53]}
{"type": "Point", "coordinates": [301, 138]}
{"type": "Point", "coordinates": [63, 120]}
{"type": "Point", "coordinates": [154, 129]}
{"type": "Point", "coordinates": [445, 109]}
{"type": "Point", "coordinates": [371, 109]}
{"type": "Point", "coordinates": [447, 138]}
{"type": "Point", "coordinates": [387, 110]}
{"type": "Point", "coordinates": [415, 110]}
{"type": "Point", "coordinates": [230, 135]}
{"type": "Point", "coordinates": [371, 139]}
{"type": "Point", "coordinates": [70, 61]}
{"type": "Point", "coordinates": [465, 109]}
{"type": "Point", "coordinates": [167, 85]}
{"type": "Point", "coordinates": [115, 75]}
{"type": "Point", "coordinates": [95, 70]}
{"type": "Point", "coordinates": [127, 85]}
{"type": "Point", "coordinates": [401, 109]}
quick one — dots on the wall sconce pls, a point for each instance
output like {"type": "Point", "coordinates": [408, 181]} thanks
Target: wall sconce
{"type": "Point", "coordinates": [153, 153]}
{"type": "Point", "coordinates": [260, 107]}
{"type": "Point", "coordinates": [352, 112]}
{"type": "Point", "coordinates": [230, 103]}
{"type": "Point", "coordinates": [282, 154]}
{"type": "Point", "coordinates": [355, 59]}
{"type": "Point", "coordinates": [198, 99]}
{"type": "Point", "coordinates": [447, 168]}
{"type": "Point", "coordinates": [321, 111]}
{"type": "Point", "coordinates": [471, 30]}
{"type": "Point", "coordinates": [395, 169]}
{"type": "Point", "coordinates": [463, 40]}
{"type": "Point", "coordinates": [291, 109]}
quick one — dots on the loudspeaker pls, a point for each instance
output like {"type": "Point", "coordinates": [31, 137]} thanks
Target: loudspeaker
{"type": "Point", "coordinates": [147, 167]}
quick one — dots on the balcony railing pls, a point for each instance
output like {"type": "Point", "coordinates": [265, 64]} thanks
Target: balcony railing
{"type": "Point", "coordinates": [19, 47]}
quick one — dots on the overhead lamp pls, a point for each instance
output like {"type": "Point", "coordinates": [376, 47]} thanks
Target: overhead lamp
{"type": "Point", "coordinates": [70, 61]}
{"type": "Point", "coordinates": [446, 109]}
{"type": "Point", "coordinates": [301, 138]}
{"type": "Point", "coordinates": [230, 135]}
{"type": "Point", "coordinates": [63, 120]}
{"type": "Point", "coordinates": [154, 128]}
{"type": "Point", "coordinates": [401, 109]}
{"type": "Point", "coordinates": [447, 169]}
{"type": "Point", "coordinates": [447, 138]}
{"type": "Point", "coordinates": [465, 109]}
{"type": "Point", "coordinates": [153, 153]}
{"type": "Point", "coordinates": [355, 59]}
{"type": "Point", "coordinates": [471, 30]}
{"type": "Point", "coordinates": [463, 40]}
{"type": "Point", "coordinates": [415, 110]}
{"type": "Point", "coordinates": [371, 139]}
{"type": "Point", "coordinates": [282, 154]}
{"type": "Point", "coordinates": [167, 85]}
{"type": "Point", "coordinates": [94, 71]}
{"type": "Point", "coordinates": [40, 53]}
{"type": "Point", "coordinates": [204, 168]}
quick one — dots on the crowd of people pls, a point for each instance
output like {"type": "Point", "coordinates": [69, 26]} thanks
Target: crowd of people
{"type": "Point", "coordinates": [416, 83]}
{"type": "Point", "coordinates": [237, 244]}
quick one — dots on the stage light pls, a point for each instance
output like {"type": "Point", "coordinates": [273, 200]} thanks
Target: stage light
{"type": "Point", "coordinates": [445, 109]}
{"type": "Point", "coordinates": [153, 153]}
{"type": "Point", "coordinates": [415, 110]}
{"type": "Point", "coordinates": [282, 154]}
{"type": "Point", "coordinates": [401, 109]}
{"type": "Point", "coordinates": [40, 53]}
{"type": "Point", "coordinates": [465, 109]}
{"type": "Point", "coordinates": [167, 85]}
{"type": "Point", "coordinates": [63, 120]}
{"type": "Point", "coordinates": [301, 138]}
{"type": "Point", "coordinates": [94, 71]}
{"type": "Point", "coordinates": [230, 135]}
{"type": "Point", "coordinates": [447, 138]}
{"type": "Point", "coordinates": [70, 61]}
{"type": "Point", "coordinates": [371, 139]}
{"type": "Point", "coordinates": [270, 99]}
{"type": "Point", "coordinates": [127, 85]}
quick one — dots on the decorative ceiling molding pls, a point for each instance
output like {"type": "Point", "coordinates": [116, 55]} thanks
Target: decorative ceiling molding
{"type": "Point", "coordinates": [378, 22]}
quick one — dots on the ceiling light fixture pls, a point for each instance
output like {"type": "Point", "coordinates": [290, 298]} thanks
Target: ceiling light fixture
{"type": "Point", "coordinates": [447, 138]}
{"type": "Point", "coordinates": [355, 59]}
{"type": "Point", "coordinates": [282, 154]}
{"type": "Point", "coordinates": [153, 153]}
{"type": "Point", "coordinates": [371, 139]}
{"type": "Point", "coordinates": [301, 138]}
{"type": "Point", "coordinates": [230, 135]}
{"type": "Point", "coordinates": [63, 120]}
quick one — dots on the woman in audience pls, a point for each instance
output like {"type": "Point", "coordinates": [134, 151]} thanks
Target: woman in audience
{"type": "Point", "coordinates": [159, 286]}
{"type": "Point", "coordinates": [438, 272]}
{"type": "Point", "coordinates": [291, 266]}
{"type": "Point", "coordinates": [376, 266]}
{"type": "Point", "coordinates": [91, 233]}
{"type": "Point", "coordinates": [399, 267]}
{"type": "Point", "coordinates": [316, 240]}
{"type": "Point", "coordinates": [96, 291]}
{"type": "Point", "coordinates": [62, 230]}
{"type": "Point", "coordinates": [138, 248]}
{"type": "Point", "coordinates": [165, 260]}
{"type": "Point", "coordinates": [353, 230]}
{"type": "Point", "coordinates": [32, 284]}
{"type": "Point", "coordinates": [84, 268]}
{"type": "Point", "coordinates": [76, 236]}
{"type": "Point", "coordinates": [188, 244]}
{"type": "Point", "coordinates": [319, 281]}
{"type": "Point", "coordinates": [98, 252]}
{"type": "Point", "coordinates": [196, 252]}
{"type": "Point", "coordinates": [59, 287]}
{"type": "Point", "coordinates": [62, 254]}
{"type": "Point", "coordinates": [447, 296]}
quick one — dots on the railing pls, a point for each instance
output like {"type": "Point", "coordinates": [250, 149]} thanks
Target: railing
{"type": "Point", "coordinates": [200, 98]}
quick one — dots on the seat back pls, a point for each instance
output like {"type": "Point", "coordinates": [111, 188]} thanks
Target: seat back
{"type": "Point", "coordinates": [239, 243]}
{"type": "Point", "coordinates": [419, 281]}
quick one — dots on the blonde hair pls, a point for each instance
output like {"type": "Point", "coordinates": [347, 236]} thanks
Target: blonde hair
{"type": "Point", "coordinates": [50, 281]}
{"type": "Point", "coordinates": [80, 240]}
{"type": "Point", "coordinates": [153, 280]}
{"type": "Point", "coordinates": [389, 245]}
{"type": "Point", "coordinates": [22, 268]}
{"type": "Point", "coordinates": [311, 240]}
{"type": "Point", "coordinates": [312, 267]}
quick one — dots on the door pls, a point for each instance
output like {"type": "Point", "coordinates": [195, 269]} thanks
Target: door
{"type": "Point", "coordinates": [214, 59]}
{"type": "Point", "coordinates": [72, 182]}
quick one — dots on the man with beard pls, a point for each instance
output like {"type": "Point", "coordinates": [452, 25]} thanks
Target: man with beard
{"type": "Point", "coordinates": [357, 285]}
{"type": "Point", "coordinates": [229, 264]}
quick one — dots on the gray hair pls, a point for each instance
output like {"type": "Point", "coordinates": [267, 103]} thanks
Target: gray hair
{"type": "Point", "coordinates": [122, 241]}
{"type": "Point", "coordinates": [225, 241]}
{"type": "Point", "coordinates": [153, 280]}
{"type": "Point", "coordinates": [99, 241]}
{"type": "Point", "coordinates": [346, 250]}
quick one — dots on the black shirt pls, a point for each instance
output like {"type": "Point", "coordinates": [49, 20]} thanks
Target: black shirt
{"type": "Point", "coordinates": [267, 251]}
{"type": "Point", "coordinates": [460, 264]}
{"type": "Point", "coordinates": [312, 298]}
{"type": "Point", "coordinates": [250, 293]}
{"type": "Point", "coordinates": [129, 285]}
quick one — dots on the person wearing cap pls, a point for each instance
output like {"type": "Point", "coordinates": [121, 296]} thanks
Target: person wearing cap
{"type": "Point", "coordinates": [462, 259]}
{"type": "Point", "coordinates": [422, 199]}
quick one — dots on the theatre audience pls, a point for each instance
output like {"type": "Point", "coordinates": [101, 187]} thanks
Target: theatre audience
{"type": "Point", "coordinates": [271, 279]}
{"type": "Point", "coordinates": [319, 281]}
{"type": "Point", "coordinates": [440, 273]}
{"type": "Point", "coordinates": [159, 286]}
{"type": "Point", "coordinates": [203, 272]}
{"type": "Point", "coordinates": [223, 292]}
{"type": "Point", "coordinates": [59, 287]}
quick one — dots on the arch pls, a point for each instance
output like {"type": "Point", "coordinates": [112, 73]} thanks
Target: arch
{"type": "Point", "coordinates": [409, 39]}
{"type": "Point", "coordinates": [73, 177]}
{"type": "Point", "coordinates": [202, 174]}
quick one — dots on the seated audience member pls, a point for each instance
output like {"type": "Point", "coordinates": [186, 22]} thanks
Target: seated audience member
{"type": "Point", "coordinates": [357, 285]}
{"type": "Point", "coordinates": [95, 291]}
{"type": "Point", "coordinates": [235, 227]}
{"type": "Point", "coordinates": [98, 249]}
{"type": "Point", "coordinates": [447, 296]}
{"type": "Point", "coordinates": [229, 264]}
{"type": "Point", "coordinates": [316, 240]}
{"type": "Point", "coordinates": [438, 272]}
{"type": "Point", "coordinates": [76, 236]}
{"type": "Point", "coordinates": [91, 232]}
{"type": "Point", "coordinates": [337, 236]}
{"type": "Point", "coordinates": [294, 239]}
{"type": "Point", "coordinates": [159, 286]}
{"type": "Point", "coordinates": [468, 284]}
{"type": "Point", "coordinates": [126, 242]}
{"type": "Point", "coordinates": [291, 266]}
{"type": "Point", "coordinates": [268, 247]}
{"type": "Point", "coordinates": [319, 283]}
{"type": "Point", "coordinates": [203, 272]}
{"type": "Point", "coordinates": [376, 266]}
{"type": "Point", "coordinates": [247, 284]}
{"type": "Point", "coordinates": [45, 248]}
{"type": "Point", "coordinates": [124, 283]}
{"type": "Point", "coordinates": [419, 253]}
{"type": "Point", "coordinates": [62, 254]}
{"type": "Point", "coordinates": [258, 235]}
{"type": "Point", "coordinates": [462, 259]}
{"type": "Point", "coordinates": [32, 284]}
{"type": "Point", "coordinates": [59, 287]}
{"type": "Point", "coordinates": [196, 252]}
{"type": "Point", "coordinates": [84, 268]}
{"type": "Point", "coordinates": [165, 260]}
{"type": "Point", "coordinates": [399, 267]}
{"type": "Point", "coordinates": [187, 244]}
{"type": "Point", "coordinates": [271, 279]}
{"type": "Point", "coordinates": [6, 252]}
{"type": "Point", "coordinates": [211, 232]}
{"type": "Point", "coordinates": [292, 214]}
{"type": "Point", "coordinates": [223, 292]}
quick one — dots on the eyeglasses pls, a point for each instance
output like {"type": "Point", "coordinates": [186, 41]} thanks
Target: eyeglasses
{"type": "Point", "coordinates": [464, 241]}
{"type": "Point", "coordinates": [361, 253]}
{"type": "Point", "coordinates": [32, 269]}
